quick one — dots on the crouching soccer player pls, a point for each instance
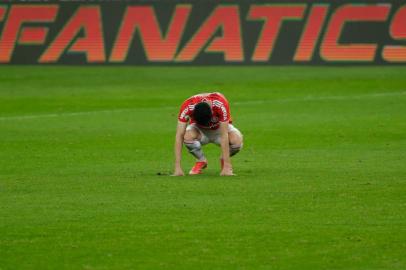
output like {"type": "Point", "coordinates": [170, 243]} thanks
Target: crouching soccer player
{"type": "Point", "coordinates": [205, 118]}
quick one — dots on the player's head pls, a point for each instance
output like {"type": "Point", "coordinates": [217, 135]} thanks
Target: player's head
{"type": "Point", "coordinates": [202, 113]}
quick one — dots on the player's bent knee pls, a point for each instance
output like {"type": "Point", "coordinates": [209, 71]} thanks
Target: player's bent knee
{"type": "Point", "coordinates": [235, 148]}
{"type": "Point", "coordinates": [191, 135]}
{"type": "Point", "coordinates": [235, 138]}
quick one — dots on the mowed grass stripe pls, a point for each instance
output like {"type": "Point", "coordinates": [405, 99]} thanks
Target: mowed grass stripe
{"type": "Point", "coordinates": [239, 103]}
{"type": "Point", "coordinates": [320, 183]}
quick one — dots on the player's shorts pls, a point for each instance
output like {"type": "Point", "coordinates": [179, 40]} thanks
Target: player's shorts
{"type": "Point", "coordinates": [211, 135]}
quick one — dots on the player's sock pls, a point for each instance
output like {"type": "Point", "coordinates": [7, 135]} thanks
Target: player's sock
{"type": "Point", "coordinates": [234, 149]}
{"type": "Point", "coordinates": [195, 148]}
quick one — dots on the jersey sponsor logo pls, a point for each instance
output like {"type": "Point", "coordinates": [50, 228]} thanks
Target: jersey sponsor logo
{"type": "Point", "coordinates": [220, 105]}
{"type": "Point", "coordinates": [183, 114]}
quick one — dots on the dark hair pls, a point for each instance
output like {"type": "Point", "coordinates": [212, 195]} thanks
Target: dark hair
{"type": "Point", "coordinates": [202, 113]}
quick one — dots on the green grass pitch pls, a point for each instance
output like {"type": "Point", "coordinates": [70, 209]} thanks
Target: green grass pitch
{"type": "Point", "coordinates": [85, 155]}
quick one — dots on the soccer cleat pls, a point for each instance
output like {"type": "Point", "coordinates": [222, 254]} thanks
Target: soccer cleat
{"type": "Point", "coordinates": [199, 166]}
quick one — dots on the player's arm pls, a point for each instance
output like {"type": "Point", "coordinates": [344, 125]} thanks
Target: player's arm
{"type": "Point", "coordinates": [180, 133]}
{"type": "Point", "coordinates": [225, 149]}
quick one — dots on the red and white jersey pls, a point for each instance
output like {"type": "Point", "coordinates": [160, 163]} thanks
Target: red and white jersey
{"type": "Point", "coordinates": [219, 106]}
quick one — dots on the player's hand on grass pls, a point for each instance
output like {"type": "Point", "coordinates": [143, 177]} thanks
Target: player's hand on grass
{"type": "Point", "coordinates": [227, 171]}
{"type": "Point", "coordinates": [178, 172]}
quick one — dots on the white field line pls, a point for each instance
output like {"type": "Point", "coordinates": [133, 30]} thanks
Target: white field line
{"type": "Point", "coordinates": [248, 102]}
